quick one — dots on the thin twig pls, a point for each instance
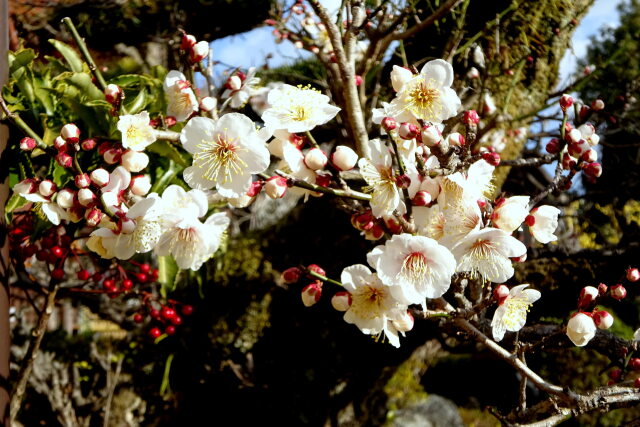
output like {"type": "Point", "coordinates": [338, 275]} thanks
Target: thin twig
{"type": "Point", "coordinates": [85, 52]}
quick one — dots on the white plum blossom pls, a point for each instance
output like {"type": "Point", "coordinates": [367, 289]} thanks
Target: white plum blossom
{"type": "Point", "coordinates": [415, 267]}
{"type": "Point", "coordinates": [137, 133]}
{"type": "Point", "coordinates": [544, 223]}
{"type": "Point", "coordinates": [426, 96]}
{"type": "Point", "coordinates": [373, 307]}
{"type": "Point", "coordinates": [400, 76]}
{"type": "Point", "coordinates": [297, 109]}
{"type": "Point", "coordinates": [581, 329]}
{"type": "Point", "coordinates": [225, 153]}
{"type": "Point", "coordinates": [487, 252]}
{"type": "Point", "coordinates": [511, 315]}
{"type": "Point", "coordinates": [511, 213]}
{"type": "Point", "coordinates": [241, 95]}
{"type": "Point", "coordinates": [181, 101]}
{"type": "Point", "coordinates": [112, 193]}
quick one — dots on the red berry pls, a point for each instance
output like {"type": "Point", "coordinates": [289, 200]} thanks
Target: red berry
{"type": "Point", "coordinates": [636, 382]}
{"type": "Point", "coordinates": [97, 277]}
{"type": "Point", "coordinates": [141, 277]}
{"type": "Point", "coordinates": [145, 268]}
{"type": "Point", "coordinates": [42, 255]}
{"type": "Point", "coordinates": [109, 285]}
{"type": "Point", "coordinates": [155, 333]}
{"type": "Point", "coordinates": [170, 330]}
{"type": "Point", "coordinates": [187, 310]}
{"type": "Point", "coordinates": [176, 320]}
{"type": "Point", "coordinates": [57, 273]}
{"type": "Point", "coordinates": [138, 318]}
{"type": "Point", "coordinates": [154, 275]}
{"type": "Point", "coordinates": [634, 363]}
{"type": "Point", "coordinates": [155, 314]}
{"type": "Point", "coordinates": [168, 312]}
{"type": "Point", "coordinates": [84, 275]}
{"type": "Point", "coordinates": [127, 284]}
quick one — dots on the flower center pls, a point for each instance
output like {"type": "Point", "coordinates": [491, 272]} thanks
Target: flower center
{"type": "Point", "coordinates": [146, 235]}
{"type": "Point", "coordinates": [414, 267]}
{"type": "Point", "coordinates": [134, 135]}
{"type": "Point", "coordinates": [515, 312]}
{"type": "Point", "coordinates": [482, 249]}
{"type": "Point", "coordinates": [423, 99]}
{"type": "Point", "coordinates": [368, 302]}
{"type": "Point", "coordinates": [219, 158]}
{"type": "Point", "coordinates": [299, 113]}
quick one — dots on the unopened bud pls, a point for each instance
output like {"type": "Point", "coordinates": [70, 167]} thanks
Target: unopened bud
{"type": "Point", "coordinates": [588, 296]}
{"type": "Point", "coordinates": [26, 186]}
{"type": "Point", "coordinates": [88, 144]}
{"type": "Point", "coordinates": [27, 144]}
{"type": "Point", "coordinates": [208, 103]}
{"type": "Point", "coordinates": [584, 113]}
{"type": "Point", "coordinates": [363, 221]}
{"type": "Point", "coordinates": [315, 159]}
{"type": "Point", "coordinates": [393, 225]}
{"type": "Point", "coordinates": [374, 233]}
{"type": "Point", "coordinates": [233, 83]}
{"type": "Point", "coordinates": [470, 118]}
{"type": "Point", "coordinates": [276, 187]}
{"type": "Point", "coordinates": [64, 160]}
{"type": "Point", "coordinates": [455, 139]}
{"type": "Point", "coordinates": [492, 158]}
{"type": "Point", "coordinates": [473, 73]}
{"type": "Point", "coordinates": [140, 185]}
{"type": "Point", "coordinates": [597, 105]}
{"type": "Point", "coordinates": [589, 156]}
{"type": "Point", "coordinates": [187, 42]}
{"type": "Point", "coordinates": [60, 144]}
{"type": "Point", "coordinates": [593, 170]}
{"type": "Point", "coordinates": [311, 293]}
{"type": "Point", "coordinates": [431, 135]}
{"type": "Point", "coordinates": [86, 197]}
{"type": "Point", "coordinates": [47, 188]}
{"type": "Point", "coordinates": [316, 269]}
{"type": "Point", "coordinates": [603, 319]}
{"type": "Point", "coordinates": [568, 162]}
{"type": "Point", "coordinates": [344, 158]}
{"type": "Point", "coordinates": [93, 216]}
{"type": "Point", "coordinates": [70, 133]}
{"type": "Point", "coordinates": [112, 156]}
{"type": "Point", "coordinates": [403, 181]}
{"type": "Point", "coordinates": [618, 292]}
{"type": "Point", "coordinates": [100, 177]}
{"type": "Point", "coordinates": [341, 301]}
{"type": "Point", "coordinates": [358, 80]}
{"type": "Point", "coordinates": [112, 93]}
{"type": "Point", "coordinates": [422, 198]}
{"type": "Point", "coordinates": [633, 275]}
{"type": "Point", "coordinates": [408, 130]}
{"type": "Point", "coordinates": [198, 52]}
{"type": "Point", "coordinates": [65, 197]}
{"type": "Point", "coordinates": [500, 293]}
{"type": "Point", "coordinates": [602, 289]}
{"type": "Point", "coordinates": [404, 323]}
{"type": "Point", "coordinates": [566, 101]}
{"type": "Point", "coordinates": [388, 124]}
{"type": "Point", "coordinates": [581, 329]}
{"type": "Point", "coordinates": [291, 275]}
{"type": "Point", "coordinates": [255, 188]}
{"type": "Point", "coordinates": [553, 146]}
{"type": "Point", "coordinates": [82, 180]}
{"type": "Point", "coordinates": [134, 161]}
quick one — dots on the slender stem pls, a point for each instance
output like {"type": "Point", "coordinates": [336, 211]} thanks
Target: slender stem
{"type": "Point", "coordinates": [85, 52]}
{"type": "Point", "coordinates": [169, 135]}
{"type": "Point", "coordinates": [403, 172]}
{"type": "Point", "coordinates": [403, 54]}
{"type": "Point", "coordinates": [312, 140]}
{"type": "Point", "coordinates": [324, 278]}
{"type": "Point", "coordinates": [349, 194]}
{"type": "Point", "coordinates": [32, 352]}
{"type": "Point", "coordinates": [15, 118]}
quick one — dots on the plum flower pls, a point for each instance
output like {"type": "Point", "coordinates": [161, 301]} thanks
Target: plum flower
{"type": "Point", "coordinates": [487, 252]}
{"type": "Point", "coordinates": [225, 153]}
{"type": "Point", "coordinates": [426, 96]}
{"type": "Point", "coordinates": [373, 307]}
{"type": "Point", "coordinates": [543, 222]}
{"type": "Point", "coordinates": [51, 210]}
{"type": "Point", "coordinates": [137, 133]}
{"type": "Point", "coordinates": [297, 109]}
{"type": "Point", "coordinates": [511, 315]}
{"type": "Point", "coordinates": [181, 101]}
{"type": "Point", "coordinates": [581, 329]}
{"type": "Point", "coordinates": [415, 267]}
{"type": "Point", "coordinates": [510, 213]}
{"type": "Point", "coordinates": [240, 96]}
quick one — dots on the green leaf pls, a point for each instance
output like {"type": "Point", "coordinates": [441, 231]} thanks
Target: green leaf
{"type": "Point", "coordinates": [69, 54]}
{"type": "Point", "coordinates": [21, 59]}
{"type": "Point", "coordinates": [167, 272]}
{"type": "Point", "coordinates": [131, 80]}
{"type": "Point", "coordinates": [84, 83]}
{"type": "Point", "coordinates": [60, 175]}
{"type": "Point", "coordinates": [169, 151]}
{"type": "Point", "coordinates": [138, 103]}
{"type": "Point", "coordinates": [16, 201]}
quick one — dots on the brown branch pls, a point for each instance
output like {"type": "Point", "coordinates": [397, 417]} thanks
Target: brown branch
{"type": "Point", "coordinates": [531, 161]}
{"type": "Point", "coordinates": [439, 13]}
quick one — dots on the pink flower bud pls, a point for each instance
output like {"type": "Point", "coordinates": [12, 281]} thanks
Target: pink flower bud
{"type": "Point", "coordinates": [26, 186]}
{"type": "Point", "coordinates": [27, 144]}
{"type": "Point", "coordinates": [100, 177]}
{"type": "Point", "coordinates": [588, 296]}
{"type": "Point", "coordinates": [86, 197]}
{"type": "Point", "coordinates": [403, 181]}
{"type": "Point", "coordinates": [618, 292]}
{"type": "Point", "coordinates": [344, 158]}
{"type": "Point", "coordinates": [574, 135]}
{"type": "Point", "coordinates": [187, 42]}
{"type": "Point", "coordinates": [593, 170]}
{"type": "Point", "coordinates": [500, 293]}
{"type": "Point", "coordinates": [602, 289]}
{"type": "Point", "coordinates": [316, 269]}
{"type": "Point", "coordinates": [82, 180]}
{"type": "Point", "coordinates": [633, 275]}
{"type": "Point", "coordinates": [64, 160]}
{"type": "Point", "coordinates": [455, 139]}
{"type": "Point", "coordinates": [198, 52]}
{"type": "Point", "coordinates": [140, 185]}
{"type": "Point", "coordinates": [112, 93]}
{"type": "Point", "coordinates": [388, 124]}
{"type": "Point", "coordinates": [311, 293]}
{"type": "Point", "coordinates": [566, 101]}
{"type": "Point", "coordinates": [208, 103]}
{"type": "Point", "coordinates": [134, 161]}
{"type": "Point", "coordinates": [589, 156]}
{"type": "Point", "coordinates": [363, 221]}
{"type": "Point", "coordinates": [470, 118]}
{"type": "Point", "coordinates": [233, 83]}
{"type": "Point", "coordinates": [603, 319]}
{"type": "Point", "coordinates": [374, 233]}
{"type": "Point", "coordinates": [60, 144]}
{"type": "Point", "coordinates": [422, 198]}
{"type": "Point", "coordinates": [315, 159]}
{"type": "Point", "coordinates": [581, 329]}
{"type": "Point", "coordinates": [47, 188]}
{"type": "Point", "coordinates": [276, 187]}
{"type": "Point", "coordinates": [404, 323]}
{"type": "Point", "coordinates": [553, 146]}
{"type": "Point", "coordinates": [408, 130]}
{"type": "Point", "coordinates": [597, 105]}
{"type": "Point", "coordinates": [431, 135]}
{"type": "Point", "coordinates": [341, 301]}
{"type": "Point", "coordinates": [492, 158]}
{"type": "Point", "coordinates": [393, 225]}
{"type": "Point", "coordinates": [291, 275]}
{"type": "Point", "coordinates": [70, 133]}
{"type": "Point", "coordinates": [65, 197]}
{"type": "Point", "coordinates": [473, 73]}
{"type": "Point", "coordinates": [88, 144]}
{"type": "Point", "coordinates": [568, 162]}
{"type": "Point", "coordinates": [255, 188]}
{"type": "Point", "coordinates": [112, 156]}
{"type": "Point", "coordinates": [584, 112]}
{"type": "Point", "coordinates": [358, 79]}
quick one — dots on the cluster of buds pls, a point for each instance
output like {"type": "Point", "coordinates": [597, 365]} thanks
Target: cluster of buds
{"type": "Point", "coordinates": [312, 292]}
{"type": "Point", "coordinates": [375, 228]}
{"type": "Point", "coordinates": [195, 50]}
{"type": "Point", "coordinates": [163, 317]}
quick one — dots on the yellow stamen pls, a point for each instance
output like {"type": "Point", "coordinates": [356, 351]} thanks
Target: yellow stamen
{"type": "Point", "coordinates": [219, 158]}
